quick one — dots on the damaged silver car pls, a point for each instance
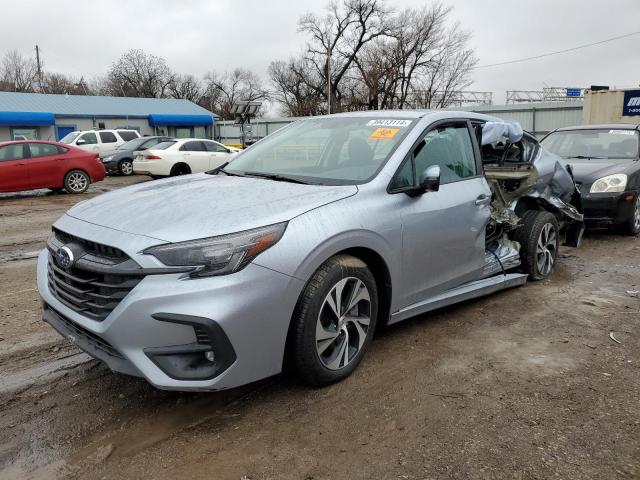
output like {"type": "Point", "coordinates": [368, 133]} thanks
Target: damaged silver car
{"type": "Point", "coordinates": [294, 252]}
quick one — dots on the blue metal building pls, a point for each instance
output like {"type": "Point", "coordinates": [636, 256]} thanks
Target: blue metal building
{"type": "Point", "coordinates": [51, 117]}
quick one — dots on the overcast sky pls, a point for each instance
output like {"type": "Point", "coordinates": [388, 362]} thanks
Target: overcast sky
{"type": "Point", "coordinates": [84, 37]}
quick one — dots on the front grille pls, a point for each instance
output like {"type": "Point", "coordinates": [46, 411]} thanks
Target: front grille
{"type": "Point", "coordinates": [99, 279]}
{"type": "Point", "coordinates": [84, 334]}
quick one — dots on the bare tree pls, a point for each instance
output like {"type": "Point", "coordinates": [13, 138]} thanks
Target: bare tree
{"type": "Point", "coordinates": [448, 72]}
{"type": "Point", "coordinates": [186, 87]}
{"type": "Point", "coordinates": [295, 89]}
{"type": "Point", "coordinates": [370, 57]}
{"type": "Point", "coordinates": [337, 38]}
{"type": "Point", "coordinates": [64, 84]}
{"type": "Point", "coordinates": [18, 73]}
{"type": "Point", "coordinates": [222, 91]}
{"type": "Point", "coordinates": [139, 74]}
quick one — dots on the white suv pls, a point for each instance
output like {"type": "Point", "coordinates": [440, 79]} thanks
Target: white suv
{"type": "Point", "coordinates": [102, 142]}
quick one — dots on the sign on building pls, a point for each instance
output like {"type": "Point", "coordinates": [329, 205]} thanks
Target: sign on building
{"type": "Point", "coordinates": [574, 92]}
{"type": "Point", "coordinates": [631, 105]}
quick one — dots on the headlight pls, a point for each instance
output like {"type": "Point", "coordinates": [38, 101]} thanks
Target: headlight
{"type": "Point", "coordinates": [611, 183]}
{"type": "Point", "coordinates": [219, 255]}
{"type": "Point", "coordinates": [107, 159]}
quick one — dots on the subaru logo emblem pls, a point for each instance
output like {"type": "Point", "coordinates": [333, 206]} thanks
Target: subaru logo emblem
{"type": "Point", "coordinates": [64, 257]}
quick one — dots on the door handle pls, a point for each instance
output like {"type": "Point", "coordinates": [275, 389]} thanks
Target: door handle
{"type": "Point", "coordinates": [483, 199]}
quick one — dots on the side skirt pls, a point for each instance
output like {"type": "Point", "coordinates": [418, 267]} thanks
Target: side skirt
{"type": "Point", "coordinates": [467, 291]}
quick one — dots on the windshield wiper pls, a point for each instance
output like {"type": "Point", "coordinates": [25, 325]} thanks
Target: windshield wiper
{"type": "Point", "coordinates": [220, 168]}
{"type": "Point", "coordinates": [275, 176]}
{"type": "Point", "coordinates": [586, 157]}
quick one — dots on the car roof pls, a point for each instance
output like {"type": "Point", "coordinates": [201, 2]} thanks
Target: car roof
{"type": "Point", "coordinates": [416, 114]}
{"type": "Point", "coordinates": [601, 126]}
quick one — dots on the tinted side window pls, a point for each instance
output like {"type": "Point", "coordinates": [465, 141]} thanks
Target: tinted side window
{"type": "Point", "coordinates": [214, 147]}
{"type": "Point", "coordinates": [42, 149]}
{"type": "Point", "coordinates": [193, 147]}
{"type": "Point", "coordinates": [12, 152]}
{"type": "Point", "coordinates": [451, 148]}
{"type": "Point", "coordinates": [127, 135]}
{"type": "Point", "coordinates": [89, 138]}
{"type": "Point", "coordinates": [107, 137]}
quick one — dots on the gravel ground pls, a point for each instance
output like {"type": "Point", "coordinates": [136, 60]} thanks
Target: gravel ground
{"type": "Point", "coordinates": [520, 385]}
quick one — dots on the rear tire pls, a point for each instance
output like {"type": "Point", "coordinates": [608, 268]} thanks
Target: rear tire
{"type": "Point", "coordinates": [125, 167]}
{"type": "Point", "coordinates": [76, 181]}
{"type": "Point", "coordinates": [632, 225]}
{"type": "Point", "coordinates": [334, 321]}
{"type": "Point", "coordinates": [180, 169]}
{"type": "Point", "coordinates": [538, 236]}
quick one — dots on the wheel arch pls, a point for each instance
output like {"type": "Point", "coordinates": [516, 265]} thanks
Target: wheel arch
{"type": "Point", "coordinates": [384, 284]}
{"type": "Point", "coordinates": [179, 165]}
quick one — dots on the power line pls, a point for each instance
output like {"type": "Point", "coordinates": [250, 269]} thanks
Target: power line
{"type": "Point", "coordinates": [558, 52]}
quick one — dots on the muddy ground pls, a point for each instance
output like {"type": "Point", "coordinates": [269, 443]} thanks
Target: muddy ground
{"type": "Point", "coordinates": [520, 385]}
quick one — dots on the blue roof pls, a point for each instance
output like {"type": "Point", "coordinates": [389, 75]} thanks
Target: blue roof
{"type": "Point", "coordinates": [84, 105]}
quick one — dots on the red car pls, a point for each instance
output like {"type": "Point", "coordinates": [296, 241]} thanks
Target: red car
{"type": "Point", "coordinates": [31, 164]}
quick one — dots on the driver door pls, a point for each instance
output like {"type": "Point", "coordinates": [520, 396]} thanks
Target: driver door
{"type": "Point", "coordinates": [443, 241]}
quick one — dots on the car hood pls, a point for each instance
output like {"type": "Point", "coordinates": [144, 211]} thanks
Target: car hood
{"type": "Point", "coordinates": [588, 171]}
{"type": "Point", "coordinates": [200, 206]}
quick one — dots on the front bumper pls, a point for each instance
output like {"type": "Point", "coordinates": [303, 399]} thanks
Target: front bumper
{"type": "Point", "coordinates": [248, 311]}
{"type": "Point", "coordinates": [111, 167]}
{"type": "Point", "coordinates": [608, 208]}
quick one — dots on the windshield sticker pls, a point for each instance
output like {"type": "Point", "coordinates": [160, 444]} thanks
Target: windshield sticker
{"type": "Point", "coordinates": [388, 123]}
{"type": "Point", "coordinates": [383, 133]}
{"type": "Point", "coordinates": [622, 132]}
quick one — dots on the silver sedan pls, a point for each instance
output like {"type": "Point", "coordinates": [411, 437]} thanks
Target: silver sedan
{"type": "Point", "coordinates": [295, 251]}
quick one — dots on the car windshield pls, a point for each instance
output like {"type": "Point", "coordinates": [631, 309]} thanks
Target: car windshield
{"type": "Point", "coordinates": [163, 145]}
{"type": "Point", "coordinates": [326, 150]}
{"type": "Point", "coordinates": [133, 144]}
{"type": "Point", "coordinates": [603, 143]}
{"type": "Point", "coordinates": [70, 137]}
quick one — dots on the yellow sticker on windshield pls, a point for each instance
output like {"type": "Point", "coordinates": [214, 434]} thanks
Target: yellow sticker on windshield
{"type": "Point", "coordinates": [383, 133]}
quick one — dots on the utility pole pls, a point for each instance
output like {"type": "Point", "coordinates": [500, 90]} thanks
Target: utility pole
{"type": "Point", "coordinates": [39, 68]}
{"type": "Point", "coordinates": [329, 81]}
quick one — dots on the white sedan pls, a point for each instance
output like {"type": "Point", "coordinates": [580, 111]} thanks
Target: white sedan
{"type": "Point", "coordinates": [182, 157]}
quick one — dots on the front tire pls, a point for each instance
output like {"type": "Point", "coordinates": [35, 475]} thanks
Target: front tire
{"type": "Point", "coordinates": [539, 237]}
{"type": "Point", "coordinates": [125, 167]}
{"type": "Point", "coordinates": [632, 225]}
{"type": "Point", "coordinates": [76, 181]}
{"type": "Point", "coordinates": [334, 321]}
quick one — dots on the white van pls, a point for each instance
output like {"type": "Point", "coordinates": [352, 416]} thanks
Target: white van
{"type": "Point", "coordinates": [103, 142]}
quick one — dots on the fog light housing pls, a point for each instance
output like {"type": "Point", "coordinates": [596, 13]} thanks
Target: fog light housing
{"type": "Point", "coordinates": [206, 358]}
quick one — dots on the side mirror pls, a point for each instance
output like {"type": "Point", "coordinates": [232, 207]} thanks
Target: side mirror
{"type": "Point", "coordinates": [81, 142]}
{"type": "Point", "coordinates": [430, 179]}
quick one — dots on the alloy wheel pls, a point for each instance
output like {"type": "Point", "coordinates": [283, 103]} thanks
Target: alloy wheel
{"type": "Point", "coordinates": [636, 215]}
{"type": "Point", "coordinates": [546, 249]}
{"type": "Point", "coordinates": [77, 182]}
{"type": "Point", "coordinates": [343, 323]}
{"type": "Point", "coordinates": [126, 168]}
